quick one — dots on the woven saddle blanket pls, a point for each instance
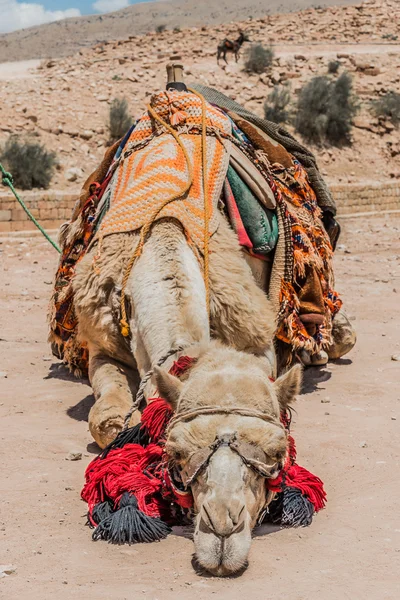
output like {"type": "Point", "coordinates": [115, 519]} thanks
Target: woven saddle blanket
{"type": "Point", "coordinates": [154, 168]}
{"type": "Point", "coordinates": [130, 187]}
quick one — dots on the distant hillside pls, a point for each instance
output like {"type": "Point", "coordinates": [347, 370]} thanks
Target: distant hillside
{"type": "Point", "coordinates": [63, 38]}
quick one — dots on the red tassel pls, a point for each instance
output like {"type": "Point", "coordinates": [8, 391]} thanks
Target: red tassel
{"type": "Point", "coordinates": [181, 365]}
{"type": "Point", "coordinates": [310, 485]}
{"type": "Point", "coordinates": [127, 469]}
{"type": "Point", "coordinates": [155, 418]}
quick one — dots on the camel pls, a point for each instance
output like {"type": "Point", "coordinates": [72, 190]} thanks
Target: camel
{"type": "Point", "coordinates": [233, 46]}
{"type": "Point", "coordinates": [225, 437]}
{"type": "Point", "coordinates": [234, 343]}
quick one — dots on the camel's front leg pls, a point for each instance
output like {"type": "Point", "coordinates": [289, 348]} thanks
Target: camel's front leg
{"type": "Point", "coordinates": [114, 387]}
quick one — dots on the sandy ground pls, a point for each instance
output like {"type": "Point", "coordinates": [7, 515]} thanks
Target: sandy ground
{"type": "Point", "coordinates": [346, 427]}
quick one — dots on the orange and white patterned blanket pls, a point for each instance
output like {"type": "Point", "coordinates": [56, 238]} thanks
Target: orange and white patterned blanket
{"type": "Point", "coordinates": [149, 173]}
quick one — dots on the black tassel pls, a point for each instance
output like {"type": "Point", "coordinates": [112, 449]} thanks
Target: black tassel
{"type": "Point", "coordinates": [101, 511]}
{"type": "Point", "coordinates": [291, 509]}
{"type": "Point", "coordinates": [297, 510]}
{"type": "Point", "coordinates": [133, 435]}
{"type": "Point", "coordinates": [129, 525]}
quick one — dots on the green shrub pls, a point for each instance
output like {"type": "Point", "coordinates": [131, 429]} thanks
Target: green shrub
{"type": "Point", "coordinates": [388, 106]}
{"type": "Point", "coordinates": [160, 28]}
{"type": "Point", "coordinates": [326, 109]}
{"type": "Point", "coordinates": [30, 164]}
{"type": "Point", "coordinates": [276, 104]}
{"type": "Point", "coordinates": [177, 29]}
{"type": "Point", "coordinates": [333, 66]}
{"type": "Point", "coordinates": [119, 119]}
{"type": "Point", "coordinates": [258, 59]}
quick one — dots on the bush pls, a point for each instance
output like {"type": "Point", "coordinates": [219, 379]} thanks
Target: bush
{"type": "Point", "coordinates": [276, 104]}
{"type": "Point", "coordinates": [388, 106]}
{"type": "Point", "coordinates": [333, 66]}
{"type": "Point", "coordinates": [30, 164]}
{"type": "Point", "coordinates": [177, 29]}
{"type": "Point", "coordinates": [326, 109]}
{"type": "Point", "coordinates": [119, 119]}
{"type": "Point", "coordinates": [258, 58]}
{"type": "Point", "coordinates": [160, 28]}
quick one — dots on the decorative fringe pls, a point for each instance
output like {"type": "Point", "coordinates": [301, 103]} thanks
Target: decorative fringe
{"type": "Point", "coordinates": [129, 525]}
{"type": "Point", "coordinates": [155, 418]}
{"type": "Point", "coordinates": [133, 435]}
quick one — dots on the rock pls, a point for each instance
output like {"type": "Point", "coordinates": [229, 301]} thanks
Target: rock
{"type": "Point", "coordinates": [3, 375]}
{"type": "Point", "coordinates": [363, 66]}
{"type": "Point", "coordinates": [373, 71]}
{"type": "Point", "coordinates": [72, 456]}
{"type": "Point", "coordinates": [87, 134]}
{"type": "Point", "coordinates": [396, 357]}
{"type": "Point", "coordinates": [300, 57]}
{"type": "Point", "coordinates": [363, 445]}
{"type": "Point", "coordinates": [362, 123]}
{"type": "Point", "coordinates": [32, 118]}
{"type": "Point", "coordinates": [342, 55]}
{"type": "Point", "coordinates": [73, 174]}
{"type": "Point", "coordinates": [7, 570]}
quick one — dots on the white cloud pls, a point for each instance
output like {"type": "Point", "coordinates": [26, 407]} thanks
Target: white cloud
{"type": "Point", "coordinates": [105, 6]}
{"type": "Point", "coordinates": [18, 15]}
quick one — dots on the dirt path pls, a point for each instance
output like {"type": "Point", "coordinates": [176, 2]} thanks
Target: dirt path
{"type": "Point", "coordinates": [22, 69]}
{"type": "Point", "coordinates": [347, 431]}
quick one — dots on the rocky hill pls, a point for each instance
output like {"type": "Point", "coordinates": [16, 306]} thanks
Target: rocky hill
{"type": "Point", "coordinates": [65, 102]}
{"type": "Point", "coordinates": [65, 37]}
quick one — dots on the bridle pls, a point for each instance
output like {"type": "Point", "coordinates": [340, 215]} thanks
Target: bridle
{"type": "Point", "coordinates": [250, 455]}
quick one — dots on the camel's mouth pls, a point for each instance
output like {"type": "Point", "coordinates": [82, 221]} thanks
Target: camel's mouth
{"type": "Point", "coordinates": [222, 556]}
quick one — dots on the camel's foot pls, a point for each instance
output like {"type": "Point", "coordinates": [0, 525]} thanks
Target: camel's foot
{"type": "Point", "coordinates": [313, 360]}
{"type": "Point", "coordinates": [106, 420]}
{"type": "Point", "coordinates": [344, 336]}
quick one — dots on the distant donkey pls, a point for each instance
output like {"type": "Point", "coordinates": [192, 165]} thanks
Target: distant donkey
{"type": "Point", "coordinates": [231, 46]}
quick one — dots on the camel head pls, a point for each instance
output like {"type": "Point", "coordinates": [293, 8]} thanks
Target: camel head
{"type": "Point", "coordinates": [224, 441]}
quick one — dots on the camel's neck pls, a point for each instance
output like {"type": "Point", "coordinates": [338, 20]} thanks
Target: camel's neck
{"type": "Point", "coordinates": [168, 296]}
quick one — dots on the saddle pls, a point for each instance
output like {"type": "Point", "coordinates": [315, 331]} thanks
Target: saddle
{"type": "Point", "coordinates": [259, 186]}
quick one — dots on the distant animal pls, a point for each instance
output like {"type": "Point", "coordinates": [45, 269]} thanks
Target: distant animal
{"type": "Point", "coordinates": [232, 46]}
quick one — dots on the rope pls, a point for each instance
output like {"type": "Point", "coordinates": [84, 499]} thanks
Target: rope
{"type": "Point", "coordinates": [205, 192]}
{"type": "Point", "coordinates": [7, 180]}
{"type": "Point", "coordinates": [125, 329]}
{"type": "Point", "coordinates": [222, 410]}
{"type": "Point", "coordinates": [140, 393]}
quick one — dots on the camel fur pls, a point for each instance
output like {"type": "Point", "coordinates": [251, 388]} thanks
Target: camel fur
{"type": "Point", "coordinates": [168, 309]}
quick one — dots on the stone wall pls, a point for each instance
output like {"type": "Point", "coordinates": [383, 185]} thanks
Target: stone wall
{"type": "Point", "coordinates": [51, 208]}
{"type": "Point", "coordinates": [359, 198]}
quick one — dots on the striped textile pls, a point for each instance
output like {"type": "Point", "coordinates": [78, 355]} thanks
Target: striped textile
{"type": "Point", "coordinates": [147, 176]}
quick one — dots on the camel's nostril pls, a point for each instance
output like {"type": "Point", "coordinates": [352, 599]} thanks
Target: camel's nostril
{"type": "Point", "coordinates": [210, 522]}
{"type": "Point", "coordinates": [236, 517]}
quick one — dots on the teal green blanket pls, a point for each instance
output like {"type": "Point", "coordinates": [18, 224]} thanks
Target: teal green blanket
{"type": "Point", "coordinates": [260, 222]}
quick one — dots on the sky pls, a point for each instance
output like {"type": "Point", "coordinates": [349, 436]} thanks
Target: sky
{"type": "Point", "coordinates": [15, 14]}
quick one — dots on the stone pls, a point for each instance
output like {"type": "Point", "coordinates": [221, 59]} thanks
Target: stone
{"type": "Point", "coordinates": [73, 174]}
{"type": "Point", "coordinates": [73, 456]}
{"type": "Point", "coordinates": [362, 123]}
{"type": "Point", "coordinates": [7, 570]}
{"type": "Point", "coordinates": [86, 134]}
{"type": "Point", "coordinates": [3, 375]}
{"type": "Point", "coordinates": [373, 71]}
{"type": "Point", "coordinates": [396, 357]}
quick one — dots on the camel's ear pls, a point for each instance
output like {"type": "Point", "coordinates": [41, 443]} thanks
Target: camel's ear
{"type": "Point", "coordinates": [288, 386]}
{"type": "Point", "coordinates": [169, 387]}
